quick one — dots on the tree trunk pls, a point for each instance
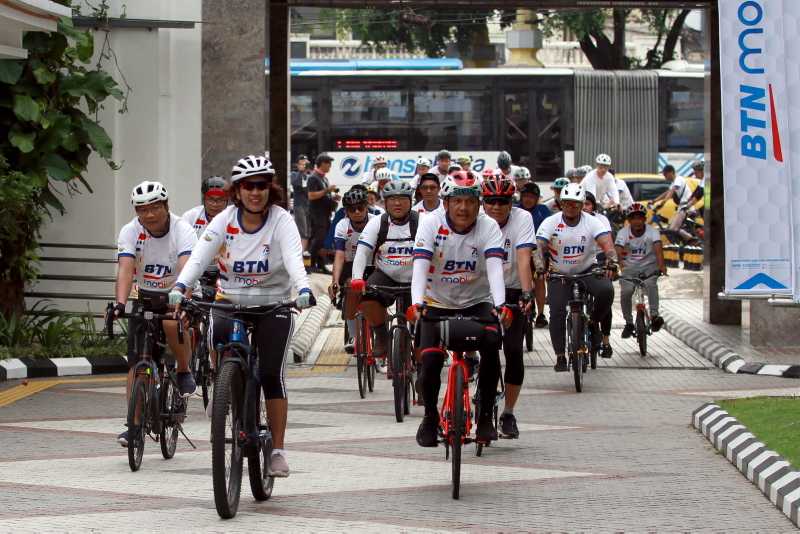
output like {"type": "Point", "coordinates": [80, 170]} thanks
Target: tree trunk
{"type": "Point", "coordinates": [12, 298]}
{"type": "Point", "coordinates": [618, 49]}
{"type": "Point", "coordinates": [673, 35]}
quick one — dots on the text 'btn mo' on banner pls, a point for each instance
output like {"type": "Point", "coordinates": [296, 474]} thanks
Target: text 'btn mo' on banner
{"type": "Point", "coordinates": [760, 99]}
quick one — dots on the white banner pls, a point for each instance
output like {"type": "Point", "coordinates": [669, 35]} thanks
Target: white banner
{"type": "Point", "coordinates": [350, 168]}
{"type": "Point", "coordinates": [756, 57]}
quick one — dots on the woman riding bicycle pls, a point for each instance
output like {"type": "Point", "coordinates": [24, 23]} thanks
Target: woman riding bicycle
{"type": "Point", "coordinates": [261, 257]}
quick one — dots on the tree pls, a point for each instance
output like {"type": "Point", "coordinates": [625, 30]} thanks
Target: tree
{"type": "Point", "coordinates": [588, 26]}
{"type": "Point", "coordinates": [48, 115]}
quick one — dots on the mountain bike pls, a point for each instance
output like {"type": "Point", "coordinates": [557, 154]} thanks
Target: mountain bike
{"type": "Point", "coordinates": [642, 324]}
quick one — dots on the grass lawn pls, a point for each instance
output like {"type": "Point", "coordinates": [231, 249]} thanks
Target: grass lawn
{"type": "Point", "coordinates": [774, 420]}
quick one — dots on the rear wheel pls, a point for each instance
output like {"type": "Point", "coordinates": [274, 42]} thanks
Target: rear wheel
{"type": "Point", "coordinates": [361, 357]}
{"type": "Point", "coordinates": [641, 332]}
{"type": "Point", "coordinates": [258, 461]}
{"type": "Point", "coordinates": [529, 333]}
{"type": "Point", "coordinates": [575, 346]}
{"type": "Point", "coordinates": [226, 450]}
{"type": "Point", "coordinates": [398, 366]}
{"type": "Point", "coordinates": [137, 404]}
{"type": "Point", "coordinates": [370, 372]}
{"type": "Point", "coordinates": [458, 430]}
{"type": "Point", "coordinates": [172, 408]}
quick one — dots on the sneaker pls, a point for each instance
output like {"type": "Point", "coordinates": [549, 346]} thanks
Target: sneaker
{"type": "Point", "coordinates": [656, 323]}
{"type": "Point", "coordinates": [349, 347]}
{"type": "Point", "coordinates": [486, 431]}
{"type": "Point", "coordinates": [381, 367]}
{"type": "Point", "coordinates": [186, 383]}
{"type": "Point", "coordinates": [541, 321]}
{"type": "Point", "coordinates": [428, 431]}
{"type": "Point", "coordinates": [508, 425]}
{"type": "Point", "coordinates": [606, 351]}
{"type": "Point", "coordinates": [628, 331]}
{"type": "Point", "coordinates": [561, 364]}
{"type": "Point", "coordinates": [122, 439]}
{"type": "Point", "coordinates": [278, 466]}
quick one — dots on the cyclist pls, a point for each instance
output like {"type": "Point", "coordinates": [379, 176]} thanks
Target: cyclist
{"type": "Point", "coordinates": [465, 162]}
{"type": "Point", "coordinates": [572, 239]}
{"type": "Point", "coordinates": [516, 226]}
{"type": "Point", "coordinates": [389, 241]}
{"type": "Point", "coordinates": [504, 166]}
{"type": "Point", "coordinates": [151, 251]}
{"type": "Point", "coordinates": [374, 198]}
{"type": "Point", "coordinates": [458, 270]}
{"type": "Point", "coordinates": [260, 259]}
{"type": "Point", "coordinates": [554, 204]}
{"type": "Point", "coordinates": [378, 163]}
{"type": "Point", "coordinates": [579, 173]}
{"type": "Point", "coordinates": [522, 175]}
{"type": "Point", "coordinates": [572, 176]}
{"type": "Point", "coordinates": [590, 207]}
{"type": "Point", "coordinates": [345, 241]}
{"type": "Point", "coordinates": [529, 201]}
{"type": "Point", "coordinates": [423, 167]}
{"type": "Point", "coordinates": [638, 246]}
{"type": "Point", "coordinates": [625, 197]}
{"type": "Point", "coordinates": [429, 189]}
{"type": "Point", "coordinates": [680, 193]}
{"type": "Point", "coordinates": [600, 182]}
{"type": "Point", "coordinates": [442, 168]}
{"type": "Point", "coordinates": [698, 195]}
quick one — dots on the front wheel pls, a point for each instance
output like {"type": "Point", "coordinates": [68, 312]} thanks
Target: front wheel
{"type": "Point", "coordinates": [576, 348]}
{"type": "Point", "coordinates": [641, 332]}
{"type": "Point", "coordinates": [361, 357]}
{"type": "Point", "coordinates": [529, 333]}
{"type": "Point", "coordinates": [138, 409]}
{"type": "Point", "coordinates": [398, 366]}
{"type": "Point", "coordinates": [172, 408]}
{"type": "Point", "coordinates": [458, 431]}
{"type": "Point", "coordinates": [258, 461]}
{"type": "Point", "coordinates": [226, 449]}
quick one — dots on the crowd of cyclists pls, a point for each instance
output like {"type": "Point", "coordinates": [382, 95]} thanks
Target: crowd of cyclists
{"type": "Point", "coordinates": [451, 241]}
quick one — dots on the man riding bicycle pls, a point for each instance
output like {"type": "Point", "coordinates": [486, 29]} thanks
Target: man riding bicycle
{"type": "Point", "coordinates": [458, 270]}
{"type": "Point", "coordinates": [429, 189]}
{"type": "Point", "coordinates": [681, 195]}
{"type": "Point", "coordinates": [516, 226]}
{"type": "Point", "coordinates": [639, 249]}
{"type": "Point", "coordinates": [572, 240]}
{"type": "Point", "coordinates": [554, 204]}
{"type": "Point", "coordinates": [601, 182]}
{"type": "Point", "coordinates": [443, 160]}
{"type": "Point", "coordinates": [529, 201]}
{"type": "Point", "coordinates": [152, 250]}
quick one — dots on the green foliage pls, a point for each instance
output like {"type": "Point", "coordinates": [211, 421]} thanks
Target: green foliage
{"type": "Point", "coordinates": [20, 220]}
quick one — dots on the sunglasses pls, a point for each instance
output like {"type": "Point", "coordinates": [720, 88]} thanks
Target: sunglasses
{"type": "Point", "coordinates": [261, 185]}
{"type": "Point", "coordinates": [497, 201]}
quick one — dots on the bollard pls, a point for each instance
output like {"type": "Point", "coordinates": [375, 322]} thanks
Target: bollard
{"type": "Point", "coordinates": [693, 258]}
{"type": "Point", "coordinates": [671, 255]}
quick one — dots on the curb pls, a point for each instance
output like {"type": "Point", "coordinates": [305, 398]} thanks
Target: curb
{"type": "Point", "coordinates": [765, 468]}
{"type": "Point", "coordinates": [16, 368]}
{"type": "Point", "coordinates": [721, 355]}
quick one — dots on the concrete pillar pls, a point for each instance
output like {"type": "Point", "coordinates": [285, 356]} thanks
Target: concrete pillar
{"type": "Point", "coordinates": [772, 326]}
{"type": "Point", "coordinates": [279, 89]}
{"type": "Point", "coordinates": [524, 40]}
{"type": "Point", "coordinates": [233, 82]}
{"type": "Point", "coordinates": [715, 311]}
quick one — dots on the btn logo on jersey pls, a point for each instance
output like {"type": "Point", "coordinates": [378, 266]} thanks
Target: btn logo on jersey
{"type": "Point", "coordinates": [251, 267]}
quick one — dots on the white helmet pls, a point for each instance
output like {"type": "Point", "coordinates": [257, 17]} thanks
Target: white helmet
{"type": "Point", "coordinates": [460, 183]}
{"type": "Point", "coordinates": [603, 159]}
{"type": "Point", "coordinates": [424, 162]}
{"type": "Point", "coordinates": [251, 166]}
{"type": "Point", "coordinates": [574, 192]}
{"type": "Point", "coordinates": [147, 193]}
{"type": "Point", "coordinates": [379, 159]}
{"type": "Point", "coordinates": [383, 174]}
{"type": "Point", "coordinates": [522, 173]}
{"type": "Point", "coordinates": [397, 188]}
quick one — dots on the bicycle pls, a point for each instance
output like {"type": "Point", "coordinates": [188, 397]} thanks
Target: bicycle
{"type": "Point", "coordinates": [455, 419]}
{"type": "Point", "coordinates": [155, 406]}
{"type": "Point", "coordinates": [362, 351]}
{"type": "Point", "coordinates": [498, 398]}
{"type": "Point", "coordinates": [581, 344]}
{"type": "Point", "coordinates": [239, 423]}
{"type": "Point", "coordinates": [642, 324]}
{"type": "Point", "coordinates": [200, 364]}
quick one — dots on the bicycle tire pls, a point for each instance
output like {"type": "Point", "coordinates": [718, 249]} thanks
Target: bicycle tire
{"type": "Point", "coordinates": [398, 375]}
{"type": "Point", "coordinates": [529, 333]}
{"type": "Point", "coordinates": [408, 399]}
{"type": "Point", "coordinates": [478, 445]}
{"type": "Point", "coordinates": [641, 333]}
{"type": "Point", "coordinates": [258, 462]}
{"type": "Point", "coordinates": [361, 356]}
{"type": "Point", "coordinates": [228, 396]}
{"type": "Point", "coordinates": [137, 433]}
{"type": "Point", "coordinates": [170, 401]}
{"type": "Point", "coordinates": [458, 430]}
{"type": "Point", "coordinates": [575, 354]}
{"type": "Point", "coordinates": [370, 372]}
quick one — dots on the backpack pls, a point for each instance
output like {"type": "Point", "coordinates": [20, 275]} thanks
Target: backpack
{"type": "Point", "coordinates": [383, 231]}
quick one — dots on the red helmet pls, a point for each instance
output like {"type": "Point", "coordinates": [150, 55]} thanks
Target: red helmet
{"type": "Point", "coordinates": [460, 183]}
{"type": "Point", "coordinates": [636, 207]}
{"type": "Point", "coordinates": [498, 186]}
{"type": "Point", "coordinates": [488, 173]}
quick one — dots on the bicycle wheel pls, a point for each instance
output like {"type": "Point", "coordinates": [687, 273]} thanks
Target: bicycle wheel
{"type": "Point", "coordinates": [369, 370]}
{"type": "Point", "coordinates": [409, 393]}
{"type": "Point", "coordinates": [258, 461]}
{"type": "Point", "coordinates": [171, 409]}
{"type": "Point", "coordinates": [398, 366]}
{"type": "Point", "coordinates": [459, 426]}
{"type": "Point", "coordinates": [137, 433]}
{"type": "Point", "coordinates": [478, 445]}
{"type": "Point", "coordinates": [361, 357]}
{"type": "Point", "coordinates": [641, 333]}
{"type": "Point", "coordinates": [529, 333]}
{"type": "Point", "coordinates": [575, 329]}
{"type": "Point", "coordinates": [226, 450]}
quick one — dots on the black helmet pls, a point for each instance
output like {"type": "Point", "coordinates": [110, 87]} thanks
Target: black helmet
{"type": "Point", "coordinates": [443, 154]}
{"type": "Point", "coordinates": [212, 182]}
{"type": "Point", "coordinates": [354, 197]}
{"type": "Point", "coordinates": [504, 160]}
{"type": "Point", "coordinates": [591, 199]}
{"type": "Point", "coordinates": [532, 188]}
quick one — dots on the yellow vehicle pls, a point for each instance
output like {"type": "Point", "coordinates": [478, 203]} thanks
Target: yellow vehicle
{"type": "Point", "coordinates": [647, 187]}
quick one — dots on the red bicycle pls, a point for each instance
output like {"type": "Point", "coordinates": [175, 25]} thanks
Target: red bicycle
{"type": "Point", "coordinates": [365, 359]}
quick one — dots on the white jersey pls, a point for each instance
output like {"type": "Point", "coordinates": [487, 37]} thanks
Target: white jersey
{"type": "Point", "coordinates": [603, 219]}
{"type": "Point", "coordinates": [681, 192]}
{"type": "Point", "coordinates": [517, 233]}
{"type": "Point", "coordinates": [440, 174]}
{"type": "Point", "coordinates": [600, 187]}
{"type": "Point", "coordinates": [572, 249]}
{"type": "Point", "coordinates": [197, 218]}
{"type": "Point", "coordinates": [395, 256]}
{"type": "Point", "coordinates": [345, 237]}
{"type": "Point", "coordinates": [255, 268]}
{"type": "Point", "coordinates": [378, 208]}
{"type": "Point", "coordinates": [625, 197]}
{"type": "Point", "coordinates": [458, 277]}
{"type": "Point", "coordinates": [552, 206]}
{"type": "Point", "coordinates": [156, 258]}
{"type": "Point", "coordinates": [419, 207]}
{"type": "Point", "coordinates": [638, 252]}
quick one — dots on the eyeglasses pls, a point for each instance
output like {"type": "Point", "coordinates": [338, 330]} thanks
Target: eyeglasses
{"type": "Point", "coordinates": [495, 201]}
{"type": "Point", "coordinates": [249, 185]}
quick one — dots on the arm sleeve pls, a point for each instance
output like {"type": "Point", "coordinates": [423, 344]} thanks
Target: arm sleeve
{"type": "Point", "coordinates": [419, 279]}
{"type": "Point", "coordinates": [366, 244]}
{"type": "Point", "coordinates": [611, 189]}
{"type": "Point", "coordinates": [202, 254]}
{"type": "Point", "coordinates": [126, 243]}
{"type": "Point", "coordinates": [598, 227]}
{"type": "Point", "coordinates": [340, 235]}
{"type": "Point", "coordinates": [525, 236]}
{"type": "Point", "coordinates": [545, 229]}
{"type": "Point", "coordinates": [292, 251]}
{"type": "Point", "coordinates": [497, 285]}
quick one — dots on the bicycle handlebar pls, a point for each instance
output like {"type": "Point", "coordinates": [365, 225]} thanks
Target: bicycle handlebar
{"type": "Point", "coordinates": [596, 272]}
{"type": "Point", "coordinates": [238, 308]}
{"type": "Point", "coordinates": [641, 279]}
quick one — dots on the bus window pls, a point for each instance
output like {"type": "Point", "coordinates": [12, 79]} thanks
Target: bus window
{"type": "Point", "coordinates": [684, 126]}
{"type": "Point", "coordinates": [516, 127]}
{"type": "Point", "coordinates": [380, 114]}
{"type": "Point", "coordinates": [459, 120]}
{"type": "Point", "coordinates": [304, 123]}
{"type": "Point", "coordinates": [548, 143]}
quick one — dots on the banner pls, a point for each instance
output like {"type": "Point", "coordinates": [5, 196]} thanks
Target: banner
{"type": "Point", "coordinates": [350, 168]}
{"type": "Point", "coordinates": [756, 54]}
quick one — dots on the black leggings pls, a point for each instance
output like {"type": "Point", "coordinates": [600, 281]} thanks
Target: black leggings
{"type": "Point", "coordinates": [559, 293]}
{"type": "Point", "coordinates": [512, 342]}
{"type": "Point", "coordinates": [271, 337]}
{"type": "Point", "coordinates": [433, 359]}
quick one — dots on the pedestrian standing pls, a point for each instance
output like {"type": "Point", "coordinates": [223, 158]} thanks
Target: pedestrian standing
{"type": "Point", "coordinates": [299, 180]}
{"type": "Point", "coordinates": [322, 202]}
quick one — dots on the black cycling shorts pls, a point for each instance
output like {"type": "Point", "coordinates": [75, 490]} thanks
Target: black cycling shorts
{"type": "Point", "coordinates": [385, 298]}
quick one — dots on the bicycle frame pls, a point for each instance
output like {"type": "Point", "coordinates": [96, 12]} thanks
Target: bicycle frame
{"type": "Point", "coordinates": [457, 365]}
